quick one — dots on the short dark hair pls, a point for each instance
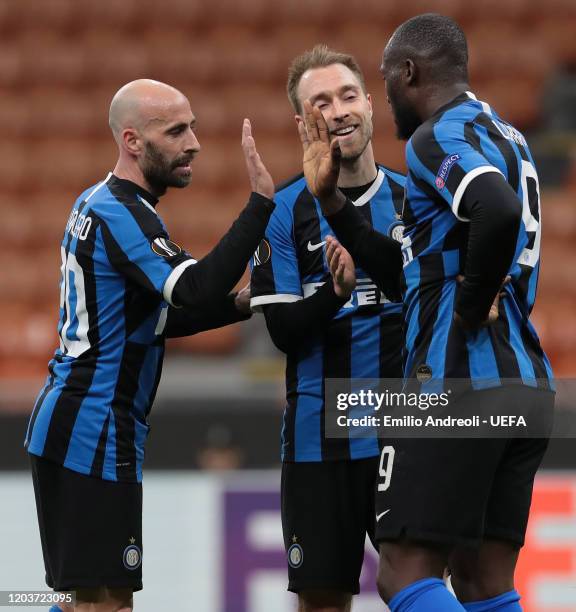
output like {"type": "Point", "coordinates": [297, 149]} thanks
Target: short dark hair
{"type": "Point", "coordinates": [320, 56]}
{"type": "Point", "coordinates": [437, 37]}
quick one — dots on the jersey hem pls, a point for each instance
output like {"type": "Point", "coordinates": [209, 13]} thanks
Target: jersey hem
{"type": "Point", "coordinates": [85, 470]}
{"type": "Point", "coordinates": [314, 458]}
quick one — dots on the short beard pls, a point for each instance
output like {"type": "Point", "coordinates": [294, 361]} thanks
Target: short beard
{"type": "Point", "coordinates": [354, 156]}
{"type": "Point", "coordinates": [406, 119]}
{"type": "Point", "coordinates": [157, 171]}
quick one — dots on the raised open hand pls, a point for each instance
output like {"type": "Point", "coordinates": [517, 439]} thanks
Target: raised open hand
{"type": "Point", "coordinates": [321, 157]}
{"type": "Point", "coordinates": [260, 180]}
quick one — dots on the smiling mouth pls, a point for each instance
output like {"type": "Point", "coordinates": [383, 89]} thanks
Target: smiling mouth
{"type": "Point", "coordinates": [185, 164]}
{"type": "Point", "coordinates": [345, 131]}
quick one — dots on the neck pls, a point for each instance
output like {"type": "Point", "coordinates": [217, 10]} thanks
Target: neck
{"type": "Point", "coordinates": [360, 171]}
{"type": "Point", "coordinates": [437, 97]}
{"type": "Point", "coordinates": [131, 171]}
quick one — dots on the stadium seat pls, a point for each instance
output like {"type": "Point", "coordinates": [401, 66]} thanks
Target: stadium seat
{"type": "Point", "coordinates": [21, 16]}
{"type": "Point", "coordinates": [15, 116]}
{"type": "Point", "coordinates": [60, 65]}
{"type": "Point", "coordinates": [84, 165]}
{"type": "Point", "coordinates": [47, 58]}
{"type": "Point", "coordinates": [558, 34]}
{"type": "Point", "coordinates": [57, 111]}
{"type": "Point", "coordinates": [11, 66]}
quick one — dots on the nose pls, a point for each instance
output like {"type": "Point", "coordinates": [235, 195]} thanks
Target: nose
{"type": "Point", "coordinates": [192, 143]}
{"type": "Point", "coordinates": [339, 110]}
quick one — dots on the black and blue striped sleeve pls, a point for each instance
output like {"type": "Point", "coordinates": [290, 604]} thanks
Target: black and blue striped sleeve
{"type": "Point", "coordinates": [138, 246]}
{"type": "Point", "coordinates": [440, 156]}
{"type": "Point", "coordinates": [275, 277]}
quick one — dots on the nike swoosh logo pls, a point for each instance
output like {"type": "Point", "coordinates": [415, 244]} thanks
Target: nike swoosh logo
{"type": "Point", "coordinates": [379, 516]}
{"type": "Point", "coordinates": [315, 247]}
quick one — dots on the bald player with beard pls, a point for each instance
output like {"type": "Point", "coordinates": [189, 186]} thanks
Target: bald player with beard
{"type": "Point", "coordinates": [125, 287]}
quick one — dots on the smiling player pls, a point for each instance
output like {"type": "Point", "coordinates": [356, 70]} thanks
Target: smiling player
{"type": "Point", "coordinates": [473, 209]}
{"type": "Point", "coordinates": [329, 329]}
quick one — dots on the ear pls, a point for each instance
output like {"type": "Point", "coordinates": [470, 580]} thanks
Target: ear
{"type": "Point", "coordinates": [410, 72]}
{"type": "Point", "coordinates": [132, 141]}
{"type": "Point", "coordinates": [369, 98]}
{"type": "Point", "coordinates": [299, 119]}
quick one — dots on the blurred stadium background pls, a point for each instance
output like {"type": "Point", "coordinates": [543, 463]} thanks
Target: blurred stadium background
{"type": "Point", "coordinates": [212, 533]}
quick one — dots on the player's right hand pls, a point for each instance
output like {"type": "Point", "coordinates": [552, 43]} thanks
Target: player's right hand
{"type": "Point", "coordinates": [341, 266]}
{"type": "Point", "coordinates": [321, 161]}
{"type": "Point", "coordinates": [260, 180]}
{"type": "Point", "coordinates": [242, 300]}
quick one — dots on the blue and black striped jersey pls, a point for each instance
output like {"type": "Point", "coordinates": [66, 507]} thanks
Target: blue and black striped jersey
{"type": "Point", "coordinates": [461, 141]}
{"type": "Point", "coordinates": [119, 269]}
{"type": "Point", "coordinates": [364, 340]}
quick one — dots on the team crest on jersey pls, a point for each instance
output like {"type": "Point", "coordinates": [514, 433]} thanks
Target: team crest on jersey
{"type": "Point", "coordinates": [423, 373]}
{"type": "Point", "coordinates": [445, 168]}
{"type": "Point", "coordinates": [295, 556]}
{"type": "Point", "coordinates": [396, 231]}
{"type": "Point", "coordinates": [132, 556]}
{"type": "Point", "coordinates": [165, 248]}
{"type": "Point", "coordinates": [263, 253]}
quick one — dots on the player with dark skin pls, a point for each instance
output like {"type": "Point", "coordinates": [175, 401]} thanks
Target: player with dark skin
{"type": "Point", "coordinates": [415, 92]}
{"type": "Point", "coordinates": [417, 85]}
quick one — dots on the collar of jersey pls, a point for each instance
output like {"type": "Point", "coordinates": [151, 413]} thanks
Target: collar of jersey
{"type": "Point", "coordinates": [463, 97]}
{"type": "Point", "coordinates": [133, 189]}
{"type": "Point", "coordinates": [371, 191]}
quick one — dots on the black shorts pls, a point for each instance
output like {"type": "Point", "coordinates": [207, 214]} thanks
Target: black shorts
{"type": "Point", "coordinates": [460, 491]}
{"type": "Point", "coordinates": [327, 510]}
{"type": "Point", "coordinates": [91, 529]}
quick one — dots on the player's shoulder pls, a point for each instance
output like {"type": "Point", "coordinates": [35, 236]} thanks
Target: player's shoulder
{"type": "Point", "coordinates": [465, 108]}
{"type": "Point", "coordinates": [423, 135]}
{"type": "Point", "coordinates": [291, 189]}
{"type": "Point", "coordinates": [449, 120]}
{"type": "Point", "coordinates": [289, 193]}
{"type": "Point", "coordinates": [95, 192]}
{"type": "Point", "coordinates": [121, 208]}
{"type": "Point", "coordinates": [101, 195]}
{"type": "Point", "coordinates": [393, 175]}
{"type": "Point", "coordinates": [433, 136]}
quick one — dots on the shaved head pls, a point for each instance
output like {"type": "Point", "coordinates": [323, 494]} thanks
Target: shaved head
{"type": "Point", "coordinates": [425, 63]}
{"type": "Point", "coordinates": [435, 40]}
{"type": "Point", "coordinates": [138, 103]}
{"type": "Point", "coordinates": [153, 126]}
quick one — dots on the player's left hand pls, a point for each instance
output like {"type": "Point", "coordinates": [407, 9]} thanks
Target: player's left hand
{"type": "Point", "coordinates": [242, 300]}
{"type": "Point", "coordinates": [341, 266]}
{"type": "Point", "coordinates": [260, 180]}
{"type": "Point", "coordinates": [321, 160]}
{"type": "Point", "coordinates": [493, 312]}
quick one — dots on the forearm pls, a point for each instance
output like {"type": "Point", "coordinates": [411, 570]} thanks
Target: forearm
{"type": "Point", "coordinates": [291, 324]}
{"type": "Point", "coordinates": [214, 276]}
{"type": "Point", "coordinates": [495, 214]}
{"type": "Point", "coordinates": [186, 322]}
{"type": "Point", "coordinates": [377, 254]}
